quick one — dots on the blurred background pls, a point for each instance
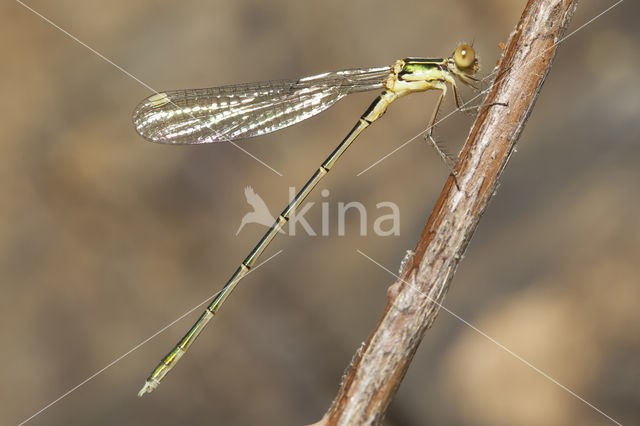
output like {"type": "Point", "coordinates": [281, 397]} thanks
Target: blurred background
{"type": "Point", "coordinates": [106, 238]}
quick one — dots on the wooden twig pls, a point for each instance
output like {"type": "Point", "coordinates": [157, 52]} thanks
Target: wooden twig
{"type": "Point", "coordinates": [414, 300]}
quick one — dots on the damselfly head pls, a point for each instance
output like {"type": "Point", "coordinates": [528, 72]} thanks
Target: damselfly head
{"type": "Point", "coordinates": [465, 57]}
{"type": "Point", "coordinates": [464, 63]}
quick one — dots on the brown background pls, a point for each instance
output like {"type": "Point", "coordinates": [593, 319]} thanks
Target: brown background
{"type": "Point", "coordinates": [106, 238]}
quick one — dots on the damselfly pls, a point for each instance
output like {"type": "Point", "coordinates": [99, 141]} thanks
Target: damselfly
{"type": "Point", "coordinates": [245, 110]}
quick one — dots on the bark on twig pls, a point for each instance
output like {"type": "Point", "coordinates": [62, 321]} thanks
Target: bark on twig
{"type": "Point", "coordinates": [380, 365]}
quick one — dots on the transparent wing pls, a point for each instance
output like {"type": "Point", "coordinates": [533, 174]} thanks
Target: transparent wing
{"type": "Point", "coordinates": [245, 110]}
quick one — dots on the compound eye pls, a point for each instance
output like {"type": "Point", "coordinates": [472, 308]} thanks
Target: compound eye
{"type": "Point", "coordinates": [464, 56]}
